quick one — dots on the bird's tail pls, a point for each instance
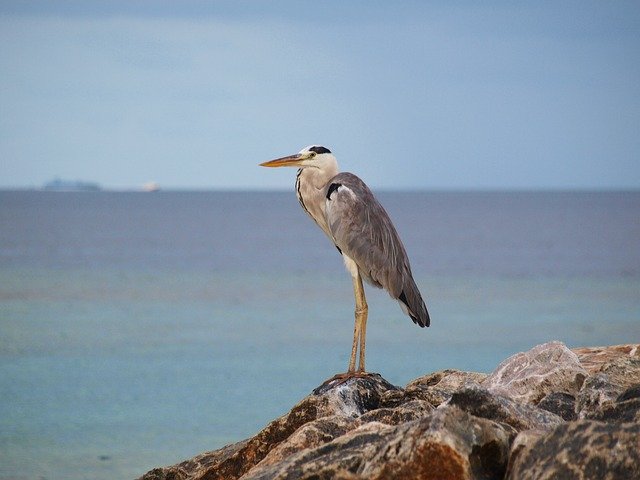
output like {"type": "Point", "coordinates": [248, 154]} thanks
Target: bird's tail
{"type": "Point", "coordinates": [412, 304]}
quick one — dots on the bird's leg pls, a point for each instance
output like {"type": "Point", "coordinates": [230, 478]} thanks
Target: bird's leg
{"type": "Point", "coordinates": [362, 310]}
{"type": "Point", "coordinates": [359, 332]}
{"type": "Point", "coordinates": [356, 336]}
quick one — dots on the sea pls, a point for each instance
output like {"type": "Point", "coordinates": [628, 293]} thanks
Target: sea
{"type": "Point", "coordinates": [140, 329]}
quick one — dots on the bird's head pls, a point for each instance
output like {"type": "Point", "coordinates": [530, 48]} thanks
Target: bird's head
{"type": "Point", "coordinates": [313, 156]}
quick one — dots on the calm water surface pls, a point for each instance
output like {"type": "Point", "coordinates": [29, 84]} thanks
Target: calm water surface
{"type": "Point", "coordinates": [137, 330]}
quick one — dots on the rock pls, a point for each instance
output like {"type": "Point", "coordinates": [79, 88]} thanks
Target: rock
{"type": "Point", "coordinates": [434, 388]}
{"type": "Point", "coordinates": [191, 469]}
{"type": "Point", "coordinates": [560, 403]}
{"type": "Point", "coordinates": [594, 358]}
{"type": "Point", "coordinates": [449, 380]}
{"type": "Point", "coordinates": [581, 450]}
{"type": "Point", "coordinates": [628, 411]}
{"type": "Point", "coordinates": [529, 376]}
{"type": "Point", "coordinates": [447, 444]}
{"type": "Point", "coordinates": [519, 421]}
{"type": "Point", "coordinates": [630, 393]}
{"type": "Point", "coordinates": [369, 388]}
{"type": "Point", "coordinates": [521, 416]}
{"type": "Point", "coordinates": [311, 435]}
{"type": "Point", "coordinates": [407, 412]}
{"type": "Point", "coordinates": [597, 390]}
{"type": "Point", "coordinates": [625, 408]}
{"type": "Point", "coordinates": [523, 441]}
{"type": "Point", "coordinates": [348, 399]}
{"type": "Point", "coordinates": [606, 383]}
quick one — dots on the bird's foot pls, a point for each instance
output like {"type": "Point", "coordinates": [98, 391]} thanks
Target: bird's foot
{"type": "Point", "coordinates": [341, 378]}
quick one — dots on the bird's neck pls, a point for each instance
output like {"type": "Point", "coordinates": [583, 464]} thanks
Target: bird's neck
{"type": "Point", "coordinates": [318, 177]}
{"type": "Point", "coordinates": [310, 189]}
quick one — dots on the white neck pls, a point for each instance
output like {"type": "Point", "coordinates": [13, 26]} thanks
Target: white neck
{"type": "Point", "coordinates": [310, 189]}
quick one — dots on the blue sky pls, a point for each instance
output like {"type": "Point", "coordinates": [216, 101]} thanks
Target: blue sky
{"type": "Point", "coordinates": [420, 95]}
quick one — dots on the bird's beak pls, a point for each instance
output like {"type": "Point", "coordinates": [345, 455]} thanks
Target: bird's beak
{"type": "Point", "coordinates": [290, 161]}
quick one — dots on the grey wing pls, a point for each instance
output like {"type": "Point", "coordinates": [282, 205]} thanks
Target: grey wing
{"type": "Point", "coordinates": [362, 230]}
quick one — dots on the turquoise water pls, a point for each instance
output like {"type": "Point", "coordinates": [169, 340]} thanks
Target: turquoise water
{"type": "Point", "coordinates": [140, 329]}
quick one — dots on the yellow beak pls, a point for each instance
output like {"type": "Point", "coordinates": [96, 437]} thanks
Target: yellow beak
{"type": "Point", "coordinates": [290, 161]}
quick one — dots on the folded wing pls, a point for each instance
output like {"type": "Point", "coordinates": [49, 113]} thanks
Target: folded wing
{"type": "Point", "coordinates": [362, 230]}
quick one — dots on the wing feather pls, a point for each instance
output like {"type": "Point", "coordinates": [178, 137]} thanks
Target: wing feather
{"type": "Point", "coordinates": [362, 230]}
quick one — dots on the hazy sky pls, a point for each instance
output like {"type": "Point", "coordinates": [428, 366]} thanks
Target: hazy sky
{"type": "Point", "coordinates": [411, 94]}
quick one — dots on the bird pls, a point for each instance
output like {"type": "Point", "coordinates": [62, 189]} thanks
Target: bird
{"type": "Point", "coordinates": [349, 214]}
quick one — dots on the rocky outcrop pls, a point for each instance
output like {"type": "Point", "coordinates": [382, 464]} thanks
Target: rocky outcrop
{"type": "Point", "coordinates": [530, 376]}
{"type": "Point", "coordinates": [547, 413]}
{"type": "Point", "coordinates": [585, 449]}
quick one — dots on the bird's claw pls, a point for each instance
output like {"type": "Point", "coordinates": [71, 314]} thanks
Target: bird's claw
{"type": "Point", "coordinates": [341, 378]}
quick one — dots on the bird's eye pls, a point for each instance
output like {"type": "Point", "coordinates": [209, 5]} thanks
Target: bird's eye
{"type": "Point", "coordinates": [312, 154]}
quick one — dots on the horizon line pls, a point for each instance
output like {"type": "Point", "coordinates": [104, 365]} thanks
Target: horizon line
{"type": "Point", "coordinates": [567, 189]}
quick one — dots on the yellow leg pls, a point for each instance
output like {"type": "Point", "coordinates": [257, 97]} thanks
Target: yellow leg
{"type": "Point", "coordinates": [359, 336]}
{"type": "Point", "coordinates": [360, 329]}
{"type": "Point", "coordinates": [354, 347]}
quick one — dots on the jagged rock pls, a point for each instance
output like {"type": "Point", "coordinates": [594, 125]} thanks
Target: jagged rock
{"type": "Point", "coordinates": [529, 376]}
{"type": "Point", "coordinates": [625, 408]}
{"type": "Point", "coordinates": [191, 469]}
{"type": "Point", "coordinates": [452, 424]}
{"type": "Point", "coordinates": [348, 399]}
{"type": "Point", "coordinates": [560, 403]}
{"type": "Point", "coordinates": [594, 358]}
{"type": "Point", "coordinates": [311, 435]}
{"type": "Point", "coordinates": [597, 390]}
{"type": "Point", "coordinates": [482, 403]}
{"type": "Point", "coordinates": [407, 412]}
{"type": "Point", "coordinates": [607, 382]}
{"type": "Point", "coordinates": [630, 393]}
{"type": "Point", "coordinates": [628, 411]}
{"type": "Point", "coordinates": [581, 450]}
{"type": "Point", "coordinates": [446, 444]}
{"type": "Point", "coordinates": [613, 371]}
{"type": "Point", "coordinates": [435, 388]}
{"type": "Point", "coordinates": [523, 441]}
{"type": "Point", "coordinates": [449, 380]}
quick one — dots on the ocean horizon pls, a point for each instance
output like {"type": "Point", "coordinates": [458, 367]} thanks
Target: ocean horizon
{"type": "Point", "coordinates": [140, 329]}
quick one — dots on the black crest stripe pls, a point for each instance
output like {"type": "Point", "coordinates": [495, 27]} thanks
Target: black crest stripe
{"type": "Point", "coordinates": [319, 149]}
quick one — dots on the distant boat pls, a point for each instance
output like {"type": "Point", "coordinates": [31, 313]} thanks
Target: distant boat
{"type": "Point", "coordinates": [150, 187]}
{"type": "Point", "coordinates": [59, 185]}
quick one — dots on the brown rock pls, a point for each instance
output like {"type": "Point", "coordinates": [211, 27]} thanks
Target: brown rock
{"type": "Point", "coordinates": [449, 380]}
{"type": "Point", "coordinates": [560, 403]}
{"type": "Point", "coordinates": [407, 412]}
{"type": "Point", "coordinates": [191, 468]}
{"type": "Point", "coordinates": [529, 376]}
{"type": "Point", "coordinates": [436, 388]}
{"type": "Point", "coordinates": [340, 458]}
{"type": "Point", "coordinates": [482, 403]}
{"type": "Point", "coordinates": [523, 442]}
{"type": "Point", "coordinates": [366, 428]}
{"type": "Point", "coordinates": [625, 408]}
{"type": "Point", "coordinates": [581, 450]}
{"type": "Point", "coordinates": [628, 411]}
{"type": "Point", "coordinates": [608, 381]}
{"type": "Point", "coordinates": [447, 444]}
{"type": "Point", "coordinates": [311, 435]}
{"type": "Point", "coordinates": [348, 399]}
{"type": "Point", "coordinates": [593, 359]}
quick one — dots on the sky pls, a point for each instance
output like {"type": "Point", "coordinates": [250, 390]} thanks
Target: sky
{"type": "Point", "coordinates": [408, 95]}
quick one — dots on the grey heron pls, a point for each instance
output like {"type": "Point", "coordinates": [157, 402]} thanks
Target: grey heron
{"type": "Point", "coordinates": [347, 212]}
